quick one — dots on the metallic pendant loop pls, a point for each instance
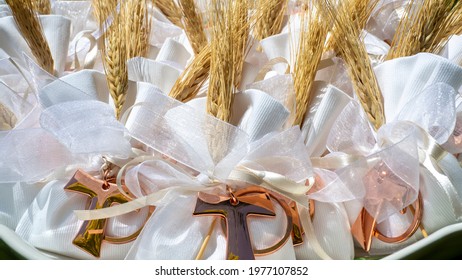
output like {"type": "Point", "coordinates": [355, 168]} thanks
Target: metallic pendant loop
{"type": "Point", "coordinates": [365, 227]}
{"type": "Point", "coordinates": [416, 221]}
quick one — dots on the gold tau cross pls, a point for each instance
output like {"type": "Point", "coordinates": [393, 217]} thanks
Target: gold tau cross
{"type": "Point", "coordinates": [102, 195]}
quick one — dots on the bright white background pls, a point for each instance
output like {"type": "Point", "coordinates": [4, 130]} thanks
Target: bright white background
{"type": "Point", "coordinates": [130, 270]}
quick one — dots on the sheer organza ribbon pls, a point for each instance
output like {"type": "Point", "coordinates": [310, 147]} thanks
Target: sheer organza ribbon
{"type": "Point", "coordinates": [63, 128]}
{"type": "Point", "coordinates": [166, 125]}
{"type": "Point", "coordinates": [411, 139]}
{"type": "Point", "coordinates": [277, 161]}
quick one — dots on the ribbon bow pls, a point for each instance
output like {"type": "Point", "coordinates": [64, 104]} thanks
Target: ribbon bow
{"type": "Point", "coordinates": [389, 160]}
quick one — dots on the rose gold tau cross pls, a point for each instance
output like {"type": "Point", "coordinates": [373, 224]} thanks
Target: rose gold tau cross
{"type": "Point", "coordinates": [365, 227]}
{"type": "Point", "coordinates": [102, 195]}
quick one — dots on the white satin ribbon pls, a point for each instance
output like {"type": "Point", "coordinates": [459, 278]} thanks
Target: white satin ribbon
{"type": "Point", "coordinates": [88, 59]}
{"type": "Point", "coordinates": [161, 116]}
{"type": "Point", "coordinates": [271, 180]}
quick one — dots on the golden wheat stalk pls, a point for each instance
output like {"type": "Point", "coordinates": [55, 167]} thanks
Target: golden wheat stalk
{"type": "Point", "coordinates": [191, 80]}
{"type": "Point", "coordinates": [220, 91]}
{"type": "Point", "coordinates": [42, 7]}
{"type": "Point", "coordinates": [229, 45]}
{"type": "Point", "coordinates": [193, 25]}
{"type": "Point", "coordinates": [102, 9]}
{"type": "Point", "coordinates": [359, 11]}
{"type": "Point", "coordinates": [353, 51]}
{"type": "Point", "coordinates": [269, 16]}
{"type": "Point", "coordinates": [240, 28]}
{"type": "Point", "coordinates": [138, 27]}
{"type": "Point", "coordinates": [115, 53]}
{"type": "Point", "coordinates": [451, 24]}
{"type": "Point", "coordinates": [171, 10]}
{"type": "Point", "coordinates": [426, 27]}
{"type": "Point", "coordinates": [30, 28]}
{"type": "Point", "coordinates": [126, 37]}
{"type": "Point", "coordinates": [313, 35]}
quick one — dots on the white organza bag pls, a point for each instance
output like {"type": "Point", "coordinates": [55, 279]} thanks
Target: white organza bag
{"type": "Point", "coordinates": [18, 110]}
{"type": "Point", "coordinates": [335, 236]}
{"type": "Point", "coordinates": [421, 115]}
{"type": "Point", "coordinates": [51, 203]}
{"type": "Point", "coordinates": [184, 124]}
{"type": "Point", "coordinates": [73, 134]}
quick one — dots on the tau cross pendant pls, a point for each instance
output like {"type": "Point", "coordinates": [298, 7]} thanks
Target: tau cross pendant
{"type": "Point", "coordinates": [102, 195]}
{"type": "Point", "coordinates": [365, 227]}
{"type": "Point", "coordinates": [235, 210]}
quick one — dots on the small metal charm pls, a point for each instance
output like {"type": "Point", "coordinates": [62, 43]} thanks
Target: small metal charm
{"type": "Point", "coordinates": [234, 208]}
{"type": "Point", "coordinates": [102, 194]}
{"type": "Point", "coordinates": [365, 227]}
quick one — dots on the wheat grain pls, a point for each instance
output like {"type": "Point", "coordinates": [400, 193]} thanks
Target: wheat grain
{"type": "Point", "coordinates": [138, 27]}
{"type": "Point", "coordinates": [42, 7]}
{"type": "Point", "coordinates": [191, 80]}
{"type": "Point", "coordinates": [171, 10]}
{"type": "Point", "coordinates": [353, 51]}
{"type": "Point", "coordinates": [29, 26]}
{"type": "Point", "coordinates": [313, 34]}
{"type": "Point", "coordinates": [426, 27]}
{"type": "Point", "coordinates": [193, 25]}
{"type": "Point", "coordinates": [269, 17]}
{"type": "Point", "coordinates": [229, 46]}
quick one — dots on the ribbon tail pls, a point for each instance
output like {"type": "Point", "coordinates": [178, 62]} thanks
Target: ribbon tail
{"type": "Point", "coordinates": [274, 182]}
{"type": "Point", "coordinates": [310, 235]}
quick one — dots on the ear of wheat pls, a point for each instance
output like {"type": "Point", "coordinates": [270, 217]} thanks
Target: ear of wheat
{"type": "Point", "coordinates": [359, 11]}
{"type": "Point", "coordinates": [240, 26]}
{"type": "Point", "coordinates": [193, 25]}
{"type": "Point", "coordinates": [102, 9]}
{"type": "Point", "coordinates": [229, 45]}
{"type": "Point", "coordinates": [191, 80]}
{"type": "Point", "coordinates": [313, 34]}
{"type": "Point", "coordinates": [171, 10]}
{"type": "Point", "coordinates": [138, 27]}
{"type": "Point", "coordinates": [426, 27]}
{"type": "Point", "coordinates": [42, 7]}
{"type": "Point", "coordinates": [114, 60]}
{"type": "Point", "coordinates": [29, 26]}
{"type": "Point", "coordinates": [353, 51]}
{"type": "Point", "coordinates": [269, 17]}
{"type": "Point", "coordinates": [125, 37]}
{"type": "Point", "coordinates": [220, 92]}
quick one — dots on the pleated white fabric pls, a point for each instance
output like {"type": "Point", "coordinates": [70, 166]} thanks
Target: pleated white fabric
{"type": "Point", "coordinates": [50, 224]}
